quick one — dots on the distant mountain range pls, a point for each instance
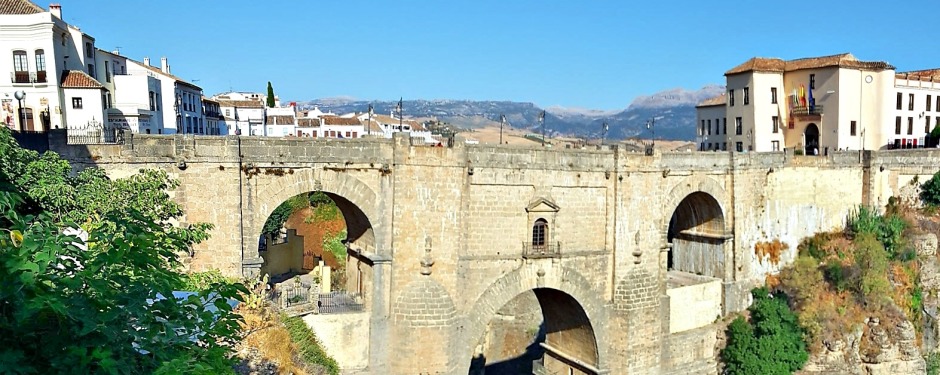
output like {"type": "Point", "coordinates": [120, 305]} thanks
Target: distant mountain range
{"type": "Point", "coordinates": [673, 111]}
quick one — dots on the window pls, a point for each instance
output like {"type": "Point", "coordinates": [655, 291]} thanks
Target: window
{"type": "Point", "coordinates": [927, 124]}
{"type": "Point", "coordinates": [20, 67]}
{"type": "Point", "coordinates": [910, 102]}
{"type": "Point", "coordinates": [539, 234]}
{"type": "Point", "coordinates": [709, 128]}
{"type": "Point", "coordinates": [853, 128]}
{"type": "Point", "coordinates": [812, 81]}
{"type": "Point", "coordinates": [717, 127]}
{"type": "Point", "coordinates": [91, 71]}
{"type": "Point", "coordinates": [900, 99]}
{"type": "Point", "coordinates": [776, 123]}
{"type": "Point", "coordinates": [228, 112]}
{"type": "Point", "coordinates": [40, 66]}
{"type": "Point", "coordinates": [724, 125]}
{"type": "Point", "coordinates": [929, 103]}
{"type": "Point", "coordinates": [724, 146]}
{"type": "Point", "coordinates": [775, 145]}
{"type": "Point", "coordinates": [77, 103]}
{"type": "Point", "coordinates": [773, 95]}
{"type": "Point", "coordinates": [152, 107]}
{"type": "Point", "coordinates": [910, 126]}
{"type": "Point", "coordinates": [747, 96]}
{"type": "Point", "coordinates": [738, 146]}
{"type": "Point", "coordinates": [158, 101]}
{"type": "Point", "coordinates": [89, 51]}
{"type": "Point", "coordinates": [897, 125]}
{"type": "Point", "coordinates": [731, 98]}
{"type": "Point", "coordinates": [107, 71]}
{"type": "Point", "coordinates": [702, 129]}
{"type": "Point", "coordinates": [737, 126]}
{"type": "Point", "coordinates": [938, 104]}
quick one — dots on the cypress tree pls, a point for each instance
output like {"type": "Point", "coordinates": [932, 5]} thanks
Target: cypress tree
{"type": "Point", "coordinates": [270, 95]}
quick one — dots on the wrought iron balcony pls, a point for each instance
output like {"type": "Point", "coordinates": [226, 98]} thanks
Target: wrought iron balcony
{"type": "Point", "coordinates": [546, 250]}
{"type": "Point", "coordinates": [19, 77]}
{"type": "Point", "coordinates": [815, 110]}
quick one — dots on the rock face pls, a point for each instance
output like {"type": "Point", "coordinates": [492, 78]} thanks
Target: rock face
{"type": "Point", "coordinates": [893, 351]}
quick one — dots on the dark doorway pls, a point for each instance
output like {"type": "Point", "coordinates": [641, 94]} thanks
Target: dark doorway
{"type": "Point", "coordinates": [811, 136]}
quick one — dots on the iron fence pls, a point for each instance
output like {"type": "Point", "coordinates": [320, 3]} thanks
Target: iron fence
{"type": "Point", "coordinates": [340, 302]}
{"type": "Point", "coordinates": [545, 250]}
{"type": "Point", "coordinates": [93, 137]}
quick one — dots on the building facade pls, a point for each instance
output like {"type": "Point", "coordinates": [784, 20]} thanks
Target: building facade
{"type": "Point", "coordinates": [821, 104]}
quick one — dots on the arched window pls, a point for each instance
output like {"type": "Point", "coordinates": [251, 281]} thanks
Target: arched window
{"type": "Point", "coordinates": [20, 67]}
{"type": "Point", "coordinates": [40, 66]}
{"type": "Point", "coordinates": [539, 234]}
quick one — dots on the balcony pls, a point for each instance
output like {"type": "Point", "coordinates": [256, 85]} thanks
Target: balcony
{"type": "Point", "coordinates": [20, 77]}
{"type": "Point", "coordinates": [40, 76]}
{"type": "Point", "coordinates": [815, 110]}
{"type": "Point", "coordinates": [547, 250]}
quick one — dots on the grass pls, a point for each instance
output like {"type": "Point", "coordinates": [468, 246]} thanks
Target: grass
{"type": "Point", "coordinates": [307, 345]}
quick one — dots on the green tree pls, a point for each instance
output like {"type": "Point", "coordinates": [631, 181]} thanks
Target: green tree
{"type": "Point", "coordinates": [930, 190]}
{"type": "Point", "coordinates": [96, 304]}
{"type": "Point", "coordinates": [771, 343]}
{"type": "Point", "coordinates": [270, 95]}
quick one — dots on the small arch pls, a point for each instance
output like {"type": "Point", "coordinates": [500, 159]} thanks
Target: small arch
{"type": "Point", "coordinates": [811, 139]}
{"type": "Point", "coordinates": [540, 234]}
{"type": "Point", "coordinates": [697, 235]}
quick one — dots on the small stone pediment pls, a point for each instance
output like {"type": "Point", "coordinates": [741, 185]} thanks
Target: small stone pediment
{"type": "Point", "coordinates": [542, 204]}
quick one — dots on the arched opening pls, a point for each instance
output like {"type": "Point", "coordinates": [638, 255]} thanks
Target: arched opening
{"type": "Point", "coordinates": [697, 236]}
{"type": "Point", "coordinates": [539, 234]}
{"type": "Point", "coordinates": [312, 246]}
{"type": "Point", "coordinates": [539, 331]}
{"type": "Point", "coordinates": [811, 139]}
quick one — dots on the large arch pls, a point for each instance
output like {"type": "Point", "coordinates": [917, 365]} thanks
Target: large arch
{"type": "Point", "coordinates": [697, 230]}
{"type": "Point", "coordinates": [571, 309]}
{"type": "Point", "coordinates": [356, 200]}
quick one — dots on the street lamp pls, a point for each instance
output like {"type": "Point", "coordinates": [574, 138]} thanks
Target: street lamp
{"type": "Point", "coordinates": [20, 95]}
{"type": "Point", "coordinates": [369, 127]}
{"type": "Point", "coordinates": [542, 124]}
{"type": "Point", "coordinates": [604, 129]}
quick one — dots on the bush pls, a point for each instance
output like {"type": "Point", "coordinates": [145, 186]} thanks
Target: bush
{"type": "Point", "coordinates": [308, 346]}
{"type": "Point", "coordinates": [803, 280]}
{"type": "Point", "coordinates": [872, 262]}
{"type": "Point", "coordinates": [772, 343]}
{"type": "Point", "coordinates": [930, 190]}
{"type": "Point", "coordinates": [887, 229]}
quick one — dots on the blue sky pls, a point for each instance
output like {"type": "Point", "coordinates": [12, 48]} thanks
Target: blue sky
{"type": "Point", "coordinates": [589, 54]}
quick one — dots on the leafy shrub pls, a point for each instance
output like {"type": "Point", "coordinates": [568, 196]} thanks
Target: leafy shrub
{"type": "Point", "coordinates": [814, 246]}
{"type": "Point", "coordinates": [771, 343]}
{"type": "Point", "coordinates": [803, 279]}
{"type": "Point", "coordinates": [308, 346]}
{"type": "Point", "coordinates": [933, 363]}
{"type": "Point", "coordinates": [199, 281]}
{"type": "Point", "coordinates": [887, 229]}
{"type": "Point", "coordinates": [872, 262]}
{"type": "Point", "coordinates": [930, 190]}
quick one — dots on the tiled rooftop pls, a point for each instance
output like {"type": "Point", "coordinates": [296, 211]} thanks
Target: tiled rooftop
{"type": "Point", "coordinates": [932, 75]}
{"type": "Point", "coordinates": [843, 60]}
{"type": "Point", "coordinates": [19, 7]}
{"type": "Point", "coordinates": [718, 100]}
{"type": "Point", "coordinates": [77, 79]}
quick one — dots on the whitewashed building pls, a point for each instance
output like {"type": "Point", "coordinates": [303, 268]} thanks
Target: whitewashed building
{"type": "Point", "coordinates": [180, 102]}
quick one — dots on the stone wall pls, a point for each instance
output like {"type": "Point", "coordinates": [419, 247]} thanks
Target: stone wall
{"type": "Point", "coordinates": [455, 221]}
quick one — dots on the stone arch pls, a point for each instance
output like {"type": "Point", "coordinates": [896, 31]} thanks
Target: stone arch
{"type": "Point", "coordinates": [697, 230]}
{"type": "Point", "coordinates": [356, 200]}
{"type": "Point", "coordinates": [564, 294]}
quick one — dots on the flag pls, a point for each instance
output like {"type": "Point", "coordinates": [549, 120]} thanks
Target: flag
{"type": "Point", "coordinates": [399, 107]}
{"type": "Point", "coordinates": [371, 110]}
{"type": "Point", "coordinates": [542, 116]}
{"type": "Point", "coordinates": [812, 102]}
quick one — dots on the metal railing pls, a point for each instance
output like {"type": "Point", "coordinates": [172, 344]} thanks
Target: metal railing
{"type": "Point", "coordinates": [93, 137]}
{"type": "Point", "coordinates": [807, 110]}
{"type": "Point", "coordinates": [340, 302]}
{"type": "Point", "coordinates": [20, 77]}
{"type": "Point", "coordinates": [545, 250]}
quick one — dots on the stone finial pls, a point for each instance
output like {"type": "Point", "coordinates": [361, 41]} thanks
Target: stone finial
{"type": "Point", "coordinates": [427, 261]}
{"type": "Point", "coordinates": [637, 253]}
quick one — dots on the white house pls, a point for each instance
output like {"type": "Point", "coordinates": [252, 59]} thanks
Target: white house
{"type": "Point", "coordinates": [179, 101]}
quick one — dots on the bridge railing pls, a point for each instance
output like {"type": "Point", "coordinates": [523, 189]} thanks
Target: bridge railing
{"type": "Point", "coordinates": [545, 250]}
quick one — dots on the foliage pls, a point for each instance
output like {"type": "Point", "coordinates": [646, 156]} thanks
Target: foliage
{"type": "Point", "coordinates": [199, 281]}
{"type": "Point", "coordinates": [334, 245]}
{"type": "Point", "coordinates": [96, 305]}
{"type": "Point", "coordinates": [933, 363]}
{"type": "Point", "coordinates": [872, 262]}
{"type": "Point", "coordinates": [771, 343]}
{"type": "Point", "coordinates": [930, 190]}
{"type": "Point", "coordinates": [815, 246]}
{"type": "Point", "coordinates": [802, 280]}
{"type": "Point", "coordinates": [279, 216]}
{"type": "Point", "coordinates": [310, 349]}
{"type": "Point", "coordinates": [270, 102]}
{"type": "Point", "coordinates": [888, 229]}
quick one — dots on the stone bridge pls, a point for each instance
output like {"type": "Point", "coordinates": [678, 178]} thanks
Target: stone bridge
{"type": "Point", "coordinates": [628, 257]}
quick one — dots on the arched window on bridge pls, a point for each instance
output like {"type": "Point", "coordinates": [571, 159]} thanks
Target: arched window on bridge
{"type": "Point", "coordinates": [540, 235]}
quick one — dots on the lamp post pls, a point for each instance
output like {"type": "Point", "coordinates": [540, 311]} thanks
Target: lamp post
{"type": "Point", "coordinates": [369, 126]}
{"type": "Point", "coordinates": [502, 120]}
{"type": "Point", "coordinates": [604, 129]}
{"type": "Point", "coordinates": [650, 125]}
{"type": "Point", "coordinates": [542, 124]}
{"type": "Point", "coordinates": [20, 95]}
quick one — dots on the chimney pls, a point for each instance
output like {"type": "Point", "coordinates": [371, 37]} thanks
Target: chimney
{"type": "Point", "coordinates": [56, 10]}
{"type": "Point", "coordinates": [164, 66]}
{"type": "Point", "coordinates": [146, 61]}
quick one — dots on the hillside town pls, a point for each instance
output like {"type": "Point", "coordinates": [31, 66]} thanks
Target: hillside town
{"type": "Point", "coordinates": [60, 79]}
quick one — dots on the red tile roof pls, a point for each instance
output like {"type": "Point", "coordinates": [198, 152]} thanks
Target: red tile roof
{"type": "Point", "coordinates": [331, 120]}
{"type": "Point", "coordinates": [711, 102]}
{"type": "Point", "coordinates": [19, 7]}
{"type": "Point", "coordinates": [775, 65]}
{"type": "Point", "coordinates": [77, 79]}
{"type": "Point", "coordinates": [240, 103]}
{"type": "Point", "coordinates": [308, 122]}
{"type": "Point", "coordinates": [932, 75]}
{"type": "Point", "coordinates": [280, 120]}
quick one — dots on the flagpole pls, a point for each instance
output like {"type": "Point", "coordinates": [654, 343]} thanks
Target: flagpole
{"type": "Point", "coordinates": [401, 109]}
{"type": "Point", "coordinates": [542, 121]}
{"type": "Point", "coordinates": [502, 120]}
{"type": "Point", "coordinates": [369, 126]}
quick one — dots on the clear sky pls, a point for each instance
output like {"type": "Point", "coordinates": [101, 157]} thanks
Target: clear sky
{"type": "Point", "coordinates": [589, 54]}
